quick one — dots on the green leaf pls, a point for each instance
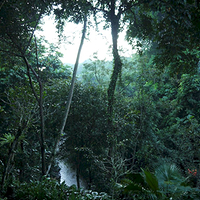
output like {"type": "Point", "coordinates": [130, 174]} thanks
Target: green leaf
{"type": "Point", "coordinates": [151, 180]}
{"type": "Point", "coordinates": [7, 139]}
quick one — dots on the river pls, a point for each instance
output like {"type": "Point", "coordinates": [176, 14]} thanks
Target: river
{"type": "Point", "coordinates": [68, 175]}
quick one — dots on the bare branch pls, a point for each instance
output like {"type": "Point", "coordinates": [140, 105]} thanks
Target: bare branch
{"type": "Point", "coordinates": [37, 22]}
{"type": "Point", "coordinates": [30, 80]}
{"type": "Point", "coordinates": [2, 4]}
{"type": "Point", "coordinates": [5, 101]}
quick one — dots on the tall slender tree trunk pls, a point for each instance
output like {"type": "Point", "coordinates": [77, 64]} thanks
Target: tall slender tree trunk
{"type": "Point", "coordinates": [42, 136]}
{"type": "Point", "coordinates": [90, 179]}
{"type": "Point", "coordinates": [39, 99]}
{"type": "Point", "coordinates": [22, 51]}
{"type": "Point", "coordinates": [78, 171]}
{"type": "Point", "coordinates": [22, 163]}
{"type": "Point", "coordinates": [69, 100]}
{"type": "Point", "coordinates": [40, 102]}
{"type": "Point", "coordinates": [74, 74]}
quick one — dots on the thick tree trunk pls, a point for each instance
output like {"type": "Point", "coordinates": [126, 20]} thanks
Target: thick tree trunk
{"type": "Point", "coordinates": [114, 19]}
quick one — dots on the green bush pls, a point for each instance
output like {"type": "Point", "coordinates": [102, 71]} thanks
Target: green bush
{"type": "Point", "coordinates": [49, 189]}
{"type": "Point", "coordinates": [165, 184]}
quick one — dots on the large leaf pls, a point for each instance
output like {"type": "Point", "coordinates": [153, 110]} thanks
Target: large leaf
{"type": "Point", "coordinates": [151, 181]}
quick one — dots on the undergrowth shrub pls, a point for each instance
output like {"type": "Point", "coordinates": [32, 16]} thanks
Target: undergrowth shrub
{"type": "Point", "coordinates": [49, 189]}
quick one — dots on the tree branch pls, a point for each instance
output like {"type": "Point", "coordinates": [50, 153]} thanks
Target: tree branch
{"type": "Point", "coordinates": [2, 4]}
{"type": "Point", "coordinates": [37, 22]}
{"type": "Point", "coordinates": [30, 80]}
{"type": "Point", "coordinates": [129, 6]}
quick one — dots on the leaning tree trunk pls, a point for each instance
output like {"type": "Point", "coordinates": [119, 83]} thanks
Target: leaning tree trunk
{"type": "Point", "coordinates": [74, 75]}
{"type": "Point", "coordinates": [70, 92]}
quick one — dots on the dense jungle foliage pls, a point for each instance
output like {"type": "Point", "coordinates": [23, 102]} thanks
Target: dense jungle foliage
{"type": "Point", "coordinates": [129, 127]}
